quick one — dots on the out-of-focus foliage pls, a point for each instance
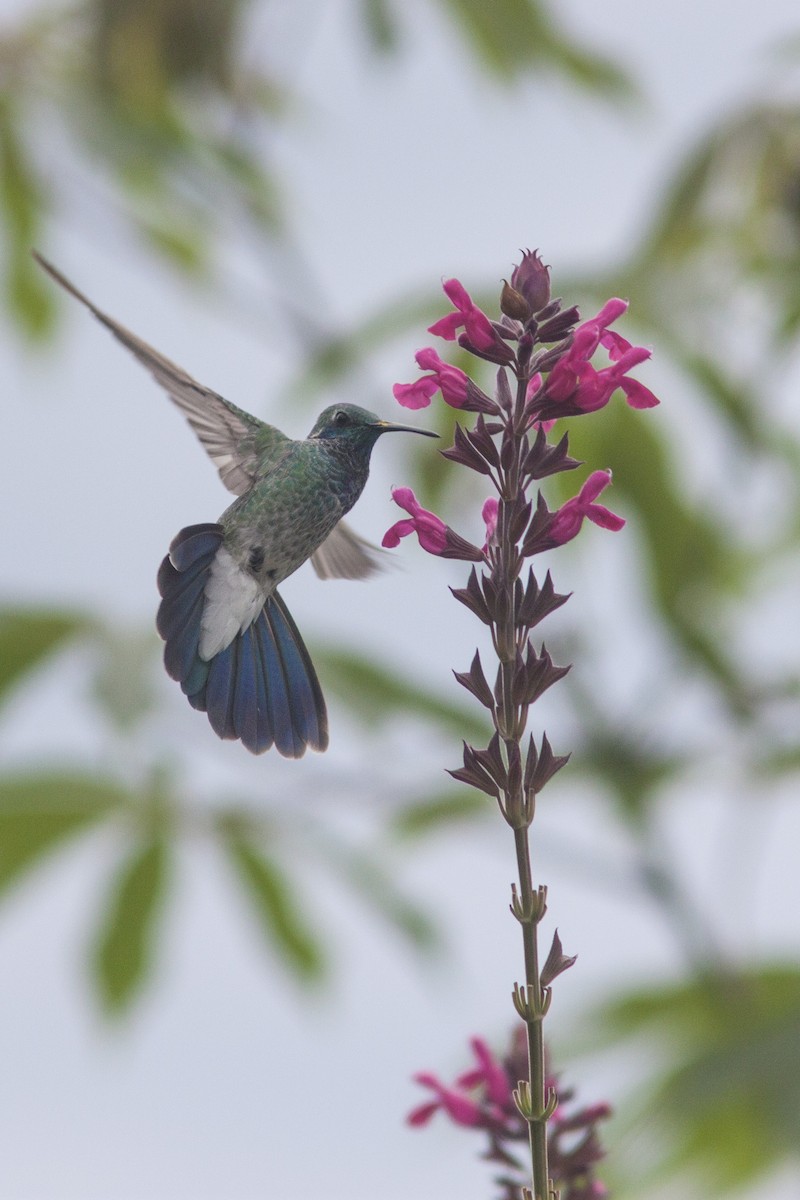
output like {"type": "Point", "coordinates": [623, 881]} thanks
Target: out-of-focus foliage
{"type": "Point", "coordinates": [45, 812]}
{"type": "Point", "coordinates": [158, 106]}
{"type": "Point", "coordinates": [726, 1096]}
{"type": "Point", "coordinates": [166, 101]}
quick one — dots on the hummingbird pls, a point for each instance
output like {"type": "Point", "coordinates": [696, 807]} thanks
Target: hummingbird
{"type": "Point", "coordinates": [230, 640]}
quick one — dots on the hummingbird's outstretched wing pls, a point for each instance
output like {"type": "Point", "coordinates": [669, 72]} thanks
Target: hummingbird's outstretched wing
{"type": "Point", "coordinates": [345, 555]}
{"type": "Point", "coordinates": [239, 445]}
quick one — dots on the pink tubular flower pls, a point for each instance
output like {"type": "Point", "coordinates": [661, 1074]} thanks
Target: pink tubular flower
{"type": "Point", "coordinates": [434, 536]}
{"type": "Point", "coordinates": [459, 1107]}
{"type": "Point", "coordinates": [492, 1103]}
{"type": "Point", "coordinates": [431, 531]}
{"type": "Point", "coordinates": [489, 1073]}
{"type": "Point", "coordinates": [567, 521]}
{"type": "Point", "coordinates": [579, 386]}
{"type": "Point", "coordinates": [477, 325]}
{"type": "Point", "coordinates": [451, 381]}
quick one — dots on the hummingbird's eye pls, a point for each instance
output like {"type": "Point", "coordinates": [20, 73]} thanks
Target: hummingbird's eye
{"type": "Point", "coordinates": [341, 418]}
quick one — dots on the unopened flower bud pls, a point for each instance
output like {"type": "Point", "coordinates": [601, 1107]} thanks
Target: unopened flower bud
{"type": "Point", "coordinates": [513, 303]}
{"type": "Point", "coordinates": [532, 280]}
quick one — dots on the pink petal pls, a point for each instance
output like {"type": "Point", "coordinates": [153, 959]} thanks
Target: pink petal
{"type": "Point", "coordinates": [604, 517]}
{"type": "Point", "coordinates": [494, 1074]}
{"type": "Point", "coordinates": [405, 498]}
{"type": "Point", "coordinates": [397, 531]}
{"type": "Point", "coordinates": [637, 395]}
{"type": "Point", "coordinates": [422, 1115]}
{"type": "Point", "coordinates": [415, 395]}
{"type": "Point", "coordinates": [489, 514]}
{"type": "Point", "coordinates": [428, 359]}
{"type": "Point", "coordinates": [457, 294]}
{"type": "Point", "coordinates": [447, 327]}
{"type": "Point", "coordinates": [594, 485]}
{"type": "Point", "coordinates": [611, 310]}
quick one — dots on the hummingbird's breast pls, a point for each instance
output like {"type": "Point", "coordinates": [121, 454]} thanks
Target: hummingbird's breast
{"type": "Point", "coordinates": [277, 525]}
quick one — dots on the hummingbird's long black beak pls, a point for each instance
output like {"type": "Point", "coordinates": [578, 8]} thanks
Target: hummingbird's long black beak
{"type": "Point", "coordinates": [389, 427]}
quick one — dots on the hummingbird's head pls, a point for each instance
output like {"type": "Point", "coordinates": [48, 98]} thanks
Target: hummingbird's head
{"type": "Point", "coordinates": [356, 428]}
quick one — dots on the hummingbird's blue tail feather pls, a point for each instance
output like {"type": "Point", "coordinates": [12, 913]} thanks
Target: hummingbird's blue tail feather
{"type": "Point", "coordinates": [262, 688]}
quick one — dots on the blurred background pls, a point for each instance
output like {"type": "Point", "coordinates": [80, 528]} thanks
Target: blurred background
{"type": "Point", "coordinates": [219, 972]}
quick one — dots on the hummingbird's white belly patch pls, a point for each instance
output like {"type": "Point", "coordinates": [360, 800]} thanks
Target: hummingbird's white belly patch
{"type": "Point", "coordinates": [233, 601]}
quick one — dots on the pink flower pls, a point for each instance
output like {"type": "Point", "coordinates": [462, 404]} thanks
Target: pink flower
{"type": "Point", "coordinates": [580, 387]}
{"type": "Point", "coordinates": [431, 531]}
{"type": "Point", "coordinates": [451, 381]}
{"type": "Point", "coordinates": [494, 1101]}
{"type": "Point", "coordinates": [459, 1107]}
{"type": "Point", "coordinates": [489, 1073]}
{"type": "Point", "coordinates": [434, 536]}
{"type": "Point", "coordinates": [567, 521]}
{"type": "Point", "coordinates": [477, 325]}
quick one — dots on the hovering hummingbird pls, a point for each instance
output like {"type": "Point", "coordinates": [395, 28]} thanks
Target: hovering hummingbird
{"type": "Point", "coordinates": [230, 640]}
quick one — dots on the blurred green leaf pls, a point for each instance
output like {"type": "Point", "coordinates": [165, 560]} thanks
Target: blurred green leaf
{"type": "Point", "coordinates": [281, 916]}
{"type": "Point", "coordinates": [28, 636]}
{"type": "Point", "coordinates": [725, 1105]}
{"type": "Point", "coordinates": [40, 812]}
{"type": "Point", "coordinates": [376, 885]}
{"type": "Point", "coordinates": [21, 209]}
{"type": "Point", "coordinates": [512, 36]}
{"type": "Point", "coordinates": [380, 24]}
{"type": "Point", "coordinates": [694, 562]}
{"type": "Point", "coordinates": [632, 767]}
{"type": "Point", "coordinates": [124, 949]}
{"type": "Point", "coordinates": [123, 681]}
{"type": "Point", "coordinates": [376, 694]}
{"type": "Point", "coordinates": [439, 814]}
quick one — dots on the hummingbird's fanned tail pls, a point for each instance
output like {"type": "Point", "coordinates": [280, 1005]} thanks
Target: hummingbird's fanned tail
{"type": "Point", "coordinates": [262, 688]}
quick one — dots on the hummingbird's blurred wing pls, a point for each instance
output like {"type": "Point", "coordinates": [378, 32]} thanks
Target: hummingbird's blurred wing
{"type": "Point", "coordinates": [239, 445]}
{"type": "Point", "coordinates": [345, 555]}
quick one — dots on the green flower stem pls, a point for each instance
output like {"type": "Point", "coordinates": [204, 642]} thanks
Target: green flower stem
{"type": "Point", "coordinates": [537, 1119]}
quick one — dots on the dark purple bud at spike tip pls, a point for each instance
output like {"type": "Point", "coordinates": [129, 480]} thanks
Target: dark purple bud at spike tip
{"type": "Point", "coordinates": [514, 304]}
{"type": "Point", "coordinates": [557, 962]}
{"type": "Point", "coordinates": [532, 280]}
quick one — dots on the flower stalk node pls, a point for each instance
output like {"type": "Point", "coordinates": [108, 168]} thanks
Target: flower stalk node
{"type": "Point", "coordinates": [524, 1100]}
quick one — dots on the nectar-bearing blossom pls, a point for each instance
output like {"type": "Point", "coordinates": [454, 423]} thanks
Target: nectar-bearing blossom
{"type": "Point", "coordinates": [567, 521]}
{"type": "Point", "coordinates": [451, 381]}
{"type": "Point", "coordinates": [482, 1099]}
{"type": "Point", "coordinates": [575, 386]}
{"type": "Point", "coordinates": [475, 323]}
{"type": "Point", "coordinates": [434, 536]}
